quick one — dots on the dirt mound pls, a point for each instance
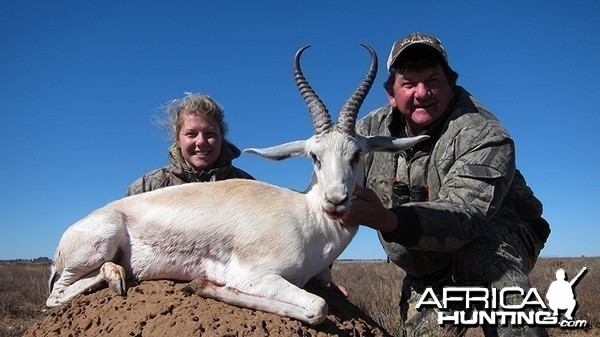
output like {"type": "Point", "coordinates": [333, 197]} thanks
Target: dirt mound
{"type": "Point", "coordinates": [167, 308]}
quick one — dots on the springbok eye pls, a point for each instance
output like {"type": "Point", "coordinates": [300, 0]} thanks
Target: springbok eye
{"type": "Point", "coordinates": [356, 157]}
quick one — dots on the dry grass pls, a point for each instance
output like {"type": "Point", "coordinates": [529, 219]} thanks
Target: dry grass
{"type": "Point", "coordinates": [374, 286]}
{"type": "Point", "coordinates": [23, 292]}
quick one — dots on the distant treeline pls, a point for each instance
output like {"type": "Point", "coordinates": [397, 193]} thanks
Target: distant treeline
{"type": "Point", "coordinates": [42, 259]}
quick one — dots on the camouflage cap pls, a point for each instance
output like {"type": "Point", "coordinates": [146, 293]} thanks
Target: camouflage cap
{"type": "Point", "coordinates": [412, 40]}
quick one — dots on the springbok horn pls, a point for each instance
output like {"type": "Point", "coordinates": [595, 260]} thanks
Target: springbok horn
{"type": "Point", "coordinates": [318, 111]}
{"type": "Point", "coordinates": [349, 112]}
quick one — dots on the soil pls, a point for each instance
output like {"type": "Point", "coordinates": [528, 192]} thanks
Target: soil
{"type": "Point", "coordinates": [168, 308]}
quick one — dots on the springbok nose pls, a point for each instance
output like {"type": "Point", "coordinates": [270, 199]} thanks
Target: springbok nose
{"type": "Point", "coordinates": [336, 198]}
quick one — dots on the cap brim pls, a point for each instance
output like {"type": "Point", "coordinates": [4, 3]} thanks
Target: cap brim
{"type": "Point", "coordinates": [393, 58]}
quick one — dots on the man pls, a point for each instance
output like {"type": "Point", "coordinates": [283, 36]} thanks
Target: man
{"type": "Point", "coordinates": [476, 221]}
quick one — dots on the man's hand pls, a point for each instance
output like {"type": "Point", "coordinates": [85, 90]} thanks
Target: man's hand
{"type": "Point", "coordinates": [368, 210]}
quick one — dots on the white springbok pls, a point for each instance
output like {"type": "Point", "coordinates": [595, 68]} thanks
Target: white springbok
{"type": "Point", "coordinates": [251, 243]}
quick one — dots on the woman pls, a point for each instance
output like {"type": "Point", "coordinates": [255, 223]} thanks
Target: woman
{"type": "Point", "coordinates": [200, 152]}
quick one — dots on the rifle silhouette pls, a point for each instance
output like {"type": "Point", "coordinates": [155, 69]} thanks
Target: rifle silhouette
{"type": "Point", "coordinates": [576, 278]}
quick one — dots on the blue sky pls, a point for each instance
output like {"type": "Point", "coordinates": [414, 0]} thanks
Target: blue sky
{"type": "Point", "coordinates": [81, 83]}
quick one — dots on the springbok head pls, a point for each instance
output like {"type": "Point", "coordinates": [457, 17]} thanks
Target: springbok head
{"type": "Point", "coordinates": [335, 149]}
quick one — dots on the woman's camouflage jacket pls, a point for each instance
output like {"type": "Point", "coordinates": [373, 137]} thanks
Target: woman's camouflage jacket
{"type": "Point", "coordinates": [179, 172]}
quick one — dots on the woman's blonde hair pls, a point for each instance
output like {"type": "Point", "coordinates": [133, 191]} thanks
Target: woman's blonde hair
{"type": "Point", "coordinates": [193, 105]}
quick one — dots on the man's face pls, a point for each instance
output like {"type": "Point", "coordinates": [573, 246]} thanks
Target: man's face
{"type": "Point", "coordinates": [421, 96]}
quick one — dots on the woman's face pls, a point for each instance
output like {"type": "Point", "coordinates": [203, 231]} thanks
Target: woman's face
{"type": "Point", "coordinates": [200, 141]}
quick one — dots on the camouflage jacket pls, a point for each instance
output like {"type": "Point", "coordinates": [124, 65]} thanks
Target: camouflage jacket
{"type": "Point", "coordinates": [179, 172]}
{"type": "Point", "coordinates": [468, 169]}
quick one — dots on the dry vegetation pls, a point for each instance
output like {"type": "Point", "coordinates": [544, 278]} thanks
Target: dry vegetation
{"type": "Point", "coordinates": [374, 286]}
{"type": "Point", "coordinates": [23, 292]}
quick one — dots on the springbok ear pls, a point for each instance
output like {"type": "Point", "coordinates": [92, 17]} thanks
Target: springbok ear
{"type": "Point", "coordinates": [281, 152]}
{"type": "Point", "coordinates": [391, 144]}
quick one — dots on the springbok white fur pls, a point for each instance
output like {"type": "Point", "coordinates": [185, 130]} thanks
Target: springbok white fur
{"type": "Point", "coordinates": [250, 243]}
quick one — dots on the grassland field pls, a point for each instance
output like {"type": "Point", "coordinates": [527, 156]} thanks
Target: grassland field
{"type": "Point", "coordinates": [374, 286]}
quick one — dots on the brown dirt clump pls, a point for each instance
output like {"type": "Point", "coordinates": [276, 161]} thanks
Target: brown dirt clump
{"type": "Point", "coordinates": [167, 308]}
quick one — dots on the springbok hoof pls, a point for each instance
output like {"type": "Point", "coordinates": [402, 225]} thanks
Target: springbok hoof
{"type": "Point", "coordinates": [114, 275]}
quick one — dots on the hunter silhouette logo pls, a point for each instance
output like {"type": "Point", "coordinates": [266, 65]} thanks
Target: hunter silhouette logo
{"type": "Point", "coordinates": [560, 294]}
